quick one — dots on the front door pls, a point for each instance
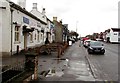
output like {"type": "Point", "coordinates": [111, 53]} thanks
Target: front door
{"type": "Point", "coordinates": [25, 41]}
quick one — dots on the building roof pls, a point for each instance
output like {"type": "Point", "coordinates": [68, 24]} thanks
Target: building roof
{"type": "Point", "coordinates": [17, 7]}
{"type": "Point", "coordinates": [116, 29]}
{"type": "Point", "coordinates": [49, 20]}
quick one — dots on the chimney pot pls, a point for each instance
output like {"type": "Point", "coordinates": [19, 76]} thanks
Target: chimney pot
{"type": "Point", "coordinates": [43, 11]}
{"type": "Point", "coordinates": [22, 3]}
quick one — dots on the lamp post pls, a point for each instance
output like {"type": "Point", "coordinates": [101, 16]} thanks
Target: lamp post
{"type": "Point", "coordinates": [76, 26]}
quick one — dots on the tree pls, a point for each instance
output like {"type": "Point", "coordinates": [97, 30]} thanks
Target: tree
{"type": "Point", "coordinates": [73, 33]}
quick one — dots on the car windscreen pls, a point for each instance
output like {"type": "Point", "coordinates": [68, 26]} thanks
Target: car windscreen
{"type": "Point", "coordinates": [96, 44]}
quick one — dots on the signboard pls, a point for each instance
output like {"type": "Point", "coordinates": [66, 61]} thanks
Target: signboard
{"type": "Point", "coordinates": [25, 20]}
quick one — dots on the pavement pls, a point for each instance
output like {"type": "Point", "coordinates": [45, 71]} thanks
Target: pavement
{"type": "Point", "coordinates": [72, 66]}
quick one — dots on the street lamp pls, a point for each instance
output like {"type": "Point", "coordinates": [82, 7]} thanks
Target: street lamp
{"type": "Point", "coordinates": [76, 26]}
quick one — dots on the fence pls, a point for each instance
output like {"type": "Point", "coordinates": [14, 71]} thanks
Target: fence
{"type": "Point", "coordinates": [15, 71]}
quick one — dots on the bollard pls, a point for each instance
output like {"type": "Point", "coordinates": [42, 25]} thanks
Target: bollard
{"type": "Point", "coordinates": [31, 63]}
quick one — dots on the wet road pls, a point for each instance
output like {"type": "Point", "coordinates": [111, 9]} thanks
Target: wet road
{"type": "Point", "coordinates": [105, 66]}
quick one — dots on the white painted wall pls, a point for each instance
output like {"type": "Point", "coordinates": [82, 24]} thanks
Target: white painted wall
{"type": "Point", "coordinates": [0, 29]}
{"type": "Point", "coordinates": [113, 36]}
{"type": "Point", "coordinates": [42, 17]}
{"type": "Point", "coordinates": [6, 27]}
{"type": "Point", "coordinates": [18, 17]}
{"type": "Point", "coordinates": [39, 15]}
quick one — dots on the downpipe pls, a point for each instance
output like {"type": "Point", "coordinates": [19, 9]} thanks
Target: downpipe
{"type": "Point", "coordinates": [11, 29]}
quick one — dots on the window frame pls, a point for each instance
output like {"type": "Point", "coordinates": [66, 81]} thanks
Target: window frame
{"type": "Point", "coordinates": [17, 34]}
{"type": "Point", "coordinates": [31, 37]}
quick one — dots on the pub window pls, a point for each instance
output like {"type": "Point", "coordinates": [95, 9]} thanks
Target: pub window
{"type": "Point", "coordinates": [35, 36]}
{"type": "Point", "coordinates": [38, 36]}
{"type": "Point", "coordinates": [17, 33]}
{"type": "Point", "coordinates": [31, 37]}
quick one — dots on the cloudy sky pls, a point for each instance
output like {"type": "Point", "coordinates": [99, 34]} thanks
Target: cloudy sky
{"type": "Point", "coordinates": [87, 16]}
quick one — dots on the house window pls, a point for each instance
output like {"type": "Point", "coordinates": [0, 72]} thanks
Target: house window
{"type": "Point", "coordinates": [115, 33]}
{"type": "Point", "coordinates": [31, 37]}
{"type": "Point", "coordinates": [38, 36]}
{"type": "Point", "coordinates": [42, 36]}
{"type": "Point", "coordinates": [17, 34]}
{"type": "Point", "coordinates": [119, 34]}
{"type": "Point", "coordinates": [119, 39]}
{"type": "Point", "coordinates": [35, 36]}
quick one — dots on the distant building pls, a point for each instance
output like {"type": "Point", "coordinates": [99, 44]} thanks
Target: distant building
{"type": "Point", "coordinates": [42, 17]}
{"type": "Point", "coordinates": [46, 28]}
{"type": "Point", "coordinates": [50, 32]}
{"type": "Point", "coordinates": [65, 32]}
{"type": "Point", "coordinates": [113, 35]}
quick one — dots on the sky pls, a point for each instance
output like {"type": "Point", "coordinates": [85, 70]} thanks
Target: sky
{"type": "Point", "coordinates": [84, 16]}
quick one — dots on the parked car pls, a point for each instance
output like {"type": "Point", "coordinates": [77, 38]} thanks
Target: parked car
{"type": "Point", "coordinates": [86, 43]}
{"type": "Point", "coordinates": [99, 39]}
{"type": "Point", "coordinates": [96, 47]}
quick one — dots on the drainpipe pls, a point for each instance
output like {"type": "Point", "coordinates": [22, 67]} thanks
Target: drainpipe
{"type": "Point", "coordinates": [11, 29]}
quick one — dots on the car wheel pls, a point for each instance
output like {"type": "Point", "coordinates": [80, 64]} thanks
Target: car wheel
{"type": "Point", "coordinates": [103, 53]}
{"type": "Point", "coordinates": [89, 52]}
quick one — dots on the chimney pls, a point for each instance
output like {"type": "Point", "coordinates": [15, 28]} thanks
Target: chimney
{"type": "Point", "coordinates": [22, 3]}
{"type": "Point", "coordinates": [43, 11]}
{"type": "Point", "coordinates": [34, 6]}
{"type": "Point", "coordinates": [54, 18]}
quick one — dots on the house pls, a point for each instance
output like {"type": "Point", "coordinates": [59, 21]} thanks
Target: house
{"type": "Point", "coordinates": [20, 29]}
{"type": "Point", "coordinates": [58, 30]}
{"type": "Point", "coordinates": [65, 32]}
{"type": "Point", "coordinates": [46, 28]}
{"type": "Point", "coordinates": [50, 32]}
{"type": "Point", "coordinates": [41, 16]}
{"type": "Point", "coordinates": [113, 35]}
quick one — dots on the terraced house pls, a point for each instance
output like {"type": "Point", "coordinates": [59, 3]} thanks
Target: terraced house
{"type": "Point", "coordinates": [20, 29]}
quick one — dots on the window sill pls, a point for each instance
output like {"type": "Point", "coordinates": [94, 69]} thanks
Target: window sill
{"type": "Point", "coordinates": [31, 41]}
{"type": "Point", "coordinates": [17, 42]}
